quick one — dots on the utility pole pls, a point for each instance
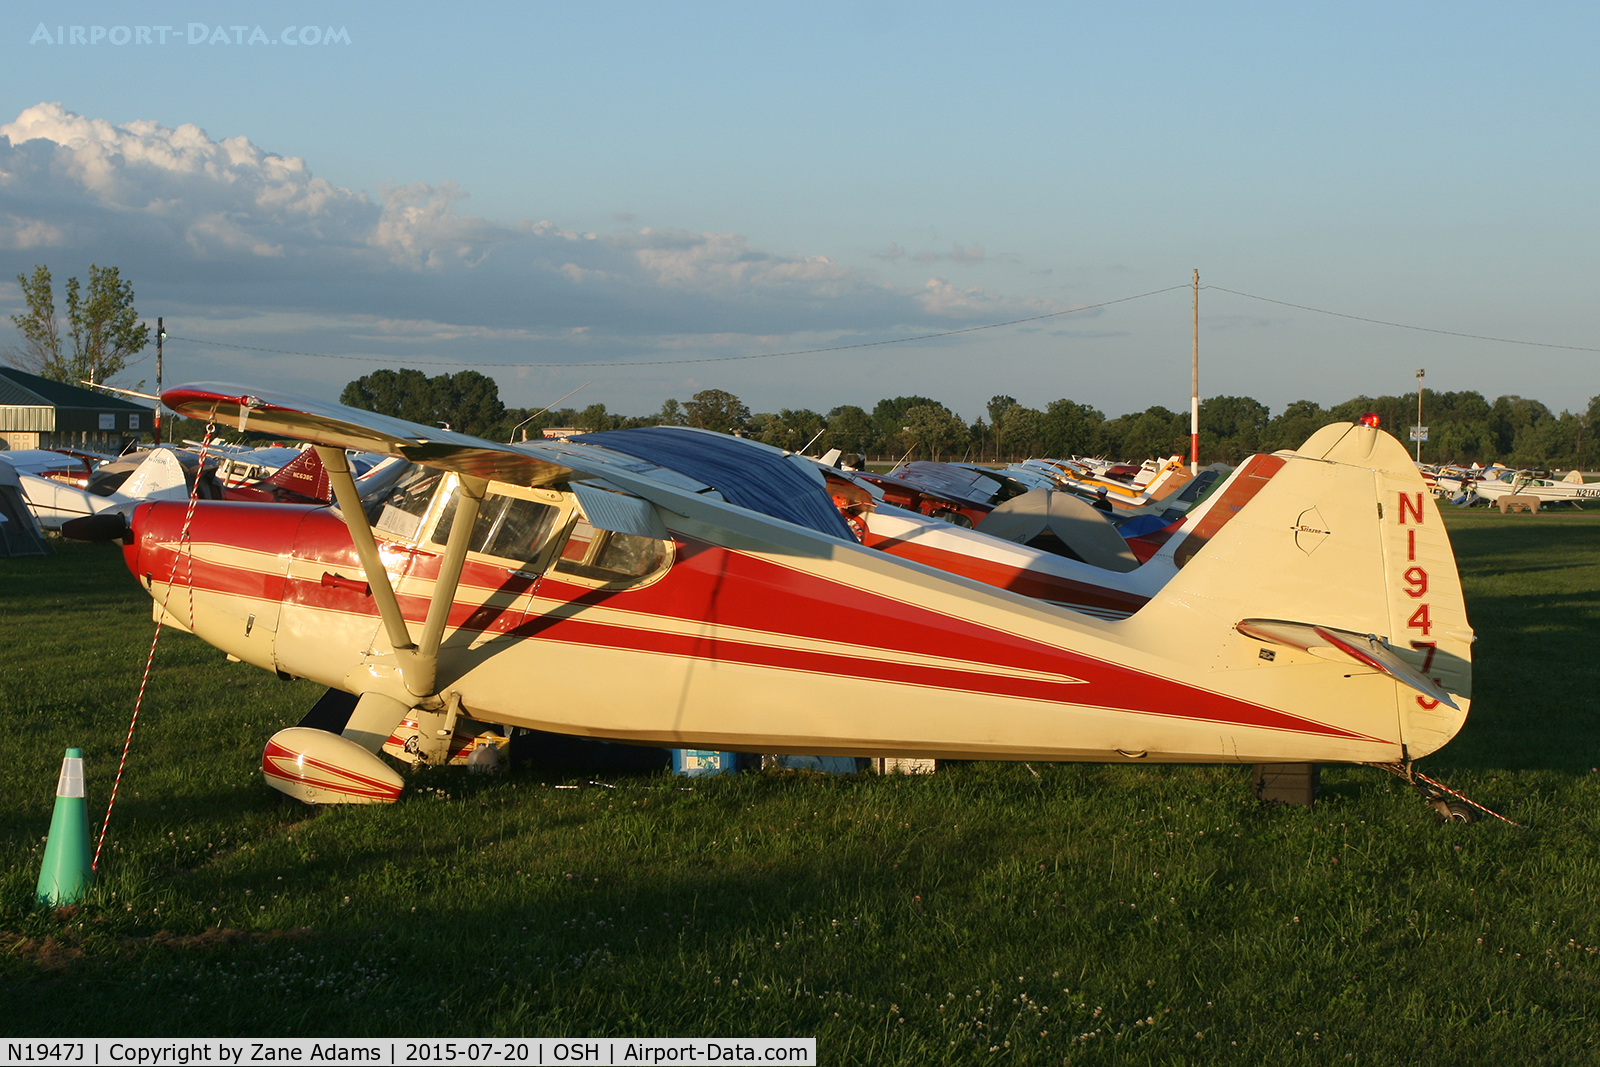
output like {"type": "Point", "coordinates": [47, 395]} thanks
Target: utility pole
{"type": "Point", "coordinates": [1194, 386]}
{"type": "Point", "coordinates": [1420, 372]}
{"type": "Point", "coordinates": [161, 335]}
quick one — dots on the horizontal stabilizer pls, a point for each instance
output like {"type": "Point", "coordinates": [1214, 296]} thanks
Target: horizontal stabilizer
{"type": "Point", "coordinates": [1369, 649]}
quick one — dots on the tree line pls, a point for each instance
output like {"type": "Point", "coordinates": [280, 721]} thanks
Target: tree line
{"type": "Point", "coordinates": [1464, 427]}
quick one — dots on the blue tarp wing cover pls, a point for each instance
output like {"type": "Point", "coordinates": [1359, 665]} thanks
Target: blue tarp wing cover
{"type": "Point", "coordinates": [744, 472]}
{"type": "Point", "coordinates": [1140, 525]}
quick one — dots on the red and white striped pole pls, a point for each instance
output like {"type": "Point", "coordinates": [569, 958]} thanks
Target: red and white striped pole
{"type": "Point", "coordinates": [1194, 387]}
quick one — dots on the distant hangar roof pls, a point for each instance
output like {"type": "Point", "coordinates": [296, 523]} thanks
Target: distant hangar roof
{"type": "Point", "coordinates": [31, 403]}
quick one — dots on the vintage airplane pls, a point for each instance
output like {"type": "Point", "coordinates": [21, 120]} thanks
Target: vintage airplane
{"type": "Point", "coordinates": [159, 474]}
{"type": "Point", "coordinates": [1496, 483]}
{"type": "Point", "coordinates": [1155, 485]}
{"type": "Point", "coordinates": [689, 589]}
{"type": "Point", "coordinates": [951, 492]}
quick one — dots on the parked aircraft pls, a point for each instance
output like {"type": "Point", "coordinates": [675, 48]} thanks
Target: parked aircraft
{"type": "Point", "coordinates": [690, 589]}
{"type": "Point", "coordinates": [158, 474]}
{"type": "Point", "coordinates": [1499, 482]}
{"type": "Point", "coordinates": [167, 473]}
{"type": "Point", "coordinates": [1066, 553]}
{"type": "Point", "coordinates": [1126, 487]}
{"type": "Point", "coordinates": [960, 494]}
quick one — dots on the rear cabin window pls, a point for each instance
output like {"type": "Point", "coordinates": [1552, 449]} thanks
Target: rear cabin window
{"type": "Point", "coordinates": [613, 558]}
{"type": "Point", "coordinates": [508, 526]}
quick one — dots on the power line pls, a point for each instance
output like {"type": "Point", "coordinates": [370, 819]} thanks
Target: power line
{"type": "Point", "coordinates": [1402, 325]}
{"type": "Point", "coordinates": [700, 359]}
{"type": "Point", "coordinates": [891, 341]}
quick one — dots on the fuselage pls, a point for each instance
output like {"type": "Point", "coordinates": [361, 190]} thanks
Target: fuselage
{"type": "Point", "coordinates": [739, 632]}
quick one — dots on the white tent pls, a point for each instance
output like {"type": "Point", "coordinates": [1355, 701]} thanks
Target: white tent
{"type": "Point", "coordinates": [19, 532]}
{"type": "Point", "coordinates": [1061, 523]}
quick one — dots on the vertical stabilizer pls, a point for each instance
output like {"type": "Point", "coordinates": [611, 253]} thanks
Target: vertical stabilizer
{"type": "Point", "coordinates": [1343, 540]}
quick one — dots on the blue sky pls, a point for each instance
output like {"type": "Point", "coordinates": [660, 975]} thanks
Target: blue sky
{"type": "Point", "coordinates": [546, 184]}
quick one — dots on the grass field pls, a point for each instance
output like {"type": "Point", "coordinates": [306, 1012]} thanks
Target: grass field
{"type": "Point", "coordinates": [990, 913]}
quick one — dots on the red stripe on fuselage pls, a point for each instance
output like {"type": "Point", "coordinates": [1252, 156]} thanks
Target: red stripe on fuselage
{"type": "Point", "coordinates": [708, 584]}
{"type": "Point", "coordinates": [214, 577]}
{"type": "Point", "coordinates": [1101, 685]}
{"type": "Point", "coordinates": [264, 528]}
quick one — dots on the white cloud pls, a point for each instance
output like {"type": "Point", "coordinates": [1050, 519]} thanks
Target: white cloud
{"type": "Point", "coordinates": [145, 167]}
{"type": "Point", "coordinates": [253, 245]}
{"type": "Point", "coordinates": [940, 297]}
{"type": "Point", "coordinates": [21, 233]}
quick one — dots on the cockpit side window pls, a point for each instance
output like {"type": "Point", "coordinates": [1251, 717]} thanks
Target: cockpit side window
{"type": "Point", "coordinates": [507, 526]}
{"type": "Point", "coordinates": [408, 502]}
{"type": "Point", "coordinates": [609, 557]}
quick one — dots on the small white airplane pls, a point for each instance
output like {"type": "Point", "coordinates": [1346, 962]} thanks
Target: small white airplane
{"type": "Point", "coordinates": [689, 589]}
{"type": "Point", "coordinates": [158, 475]}
{"type": "Point", "coordinates": [1500, 482]}
{"type": "Point", "coordinates": [1126, 488]}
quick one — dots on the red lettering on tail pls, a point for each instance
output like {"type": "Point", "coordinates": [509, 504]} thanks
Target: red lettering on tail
{"type": "Point", "coordinates": [1412, 504]}
{"type": "Point", "coordinates": [1417, 579]}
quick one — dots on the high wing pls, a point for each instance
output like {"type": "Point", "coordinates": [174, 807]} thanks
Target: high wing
{"type": "Point", "coordinates": [334, 425]}
{"type": "Point", "coordinates": [665, 465]}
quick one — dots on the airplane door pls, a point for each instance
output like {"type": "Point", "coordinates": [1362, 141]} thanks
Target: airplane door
{"type": "Point", "coordinates": [506, 557]}
{"type": "Point", "coordinates": [587, 539]}
{"type": "Point", "coordinates": [329, 619]}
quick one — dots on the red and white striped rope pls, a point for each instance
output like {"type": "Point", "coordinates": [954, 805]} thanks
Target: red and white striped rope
{"type": "Point", "coordinates": [1464, 799]}
{"type": "Point", "coordinates": [183, 538]}
{"type": "Point", "coordinates": [1409, 772]}
{"type": "Point", "coordinates": [128, 742]}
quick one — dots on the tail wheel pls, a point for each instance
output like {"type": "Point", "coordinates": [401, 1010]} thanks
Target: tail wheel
{"type": "Point", "coordinates": [1456, 811]}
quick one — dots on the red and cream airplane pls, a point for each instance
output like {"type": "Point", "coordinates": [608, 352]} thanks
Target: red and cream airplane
{"type": "Point", "coordinates": [683, 588]}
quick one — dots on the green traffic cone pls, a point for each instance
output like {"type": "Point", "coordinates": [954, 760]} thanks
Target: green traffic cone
{"type": "Point", "coordinates": [67, 871]}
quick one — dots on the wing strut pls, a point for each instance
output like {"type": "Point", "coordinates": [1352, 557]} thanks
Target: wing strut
{"type": "Point", "coordinates": [444, 588]}
{"type": "Point", "coordinates": [419, 661]}
{"type": "Point", "coordinates": [345, 492]}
